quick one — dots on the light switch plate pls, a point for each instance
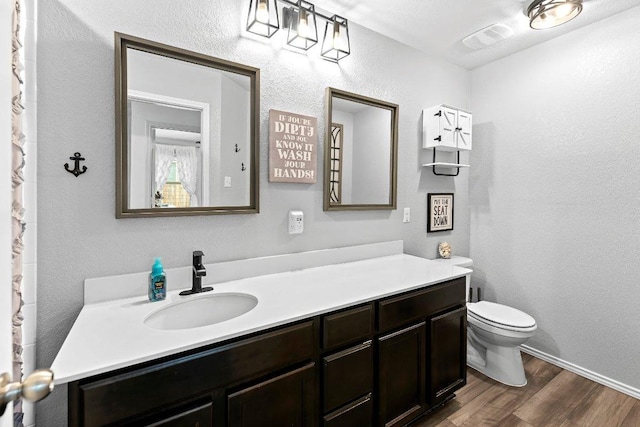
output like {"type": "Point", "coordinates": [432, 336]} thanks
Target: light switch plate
{"type": "Point", "coordinates": [407, 215]}
{"type": "Point", "coordinates": [296, 222]}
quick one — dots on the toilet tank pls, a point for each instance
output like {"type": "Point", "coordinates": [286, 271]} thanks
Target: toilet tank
{"type": "Point", "coordinates": [459, 261]}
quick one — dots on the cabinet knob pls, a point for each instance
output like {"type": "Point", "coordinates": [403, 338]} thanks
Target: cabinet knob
{"type": "Point", "coordinates": [35, 387]}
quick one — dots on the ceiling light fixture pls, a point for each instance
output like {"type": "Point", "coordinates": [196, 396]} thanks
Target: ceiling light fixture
{"type": "Point", "coordinates": [299, 18]}
{"type": "Point", "coordinates": [545, 14]}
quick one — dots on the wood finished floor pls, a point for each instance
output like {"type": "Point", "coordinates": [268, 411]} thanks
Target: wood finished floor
{"type": "Point", "coordinates": [553, 397]}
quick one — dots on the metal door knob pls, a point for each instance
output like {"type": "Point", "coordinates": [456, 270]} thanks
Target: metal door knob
{"type": "Point", "coordinates": [35, 387]}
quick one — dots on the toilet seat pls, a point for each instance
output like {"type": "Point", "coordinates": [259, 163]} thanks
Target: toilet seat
{"type": "Point", "coordinates": [501, 316]}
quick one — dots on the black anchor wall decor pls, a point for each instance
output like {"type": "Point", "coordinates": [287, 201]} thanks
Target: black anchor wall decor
{"type": "Point", "coordinates": [76, 170]}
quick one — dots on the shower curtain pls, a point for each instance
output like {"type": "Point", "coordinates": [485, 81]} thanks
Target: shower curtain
{"type": "Point", "coordinates": [17, 214]}
{"type": "Point", "coordinates": [187, 159]}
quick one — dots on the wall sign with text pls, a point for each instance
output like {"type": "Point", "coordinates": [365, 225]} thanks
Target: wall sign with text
{"type": "Point", "coordinates": [440, 212]}
{"type": "Point", "coordinates": [293, 146]}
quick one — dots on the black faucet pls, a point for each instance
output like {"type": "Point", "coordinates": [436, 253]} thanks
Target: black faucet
{"type": "Point", "coordinates": [197, 273]}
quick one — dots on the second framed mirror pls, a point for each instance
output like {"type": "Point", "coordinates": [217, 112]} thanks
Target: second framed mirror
{"type": "Point", "coordinates": [361, 152]}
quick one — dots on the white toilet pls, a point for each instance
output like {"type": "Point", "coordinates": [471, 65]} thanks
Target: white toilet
{"type": "Point", "coordinates": [494, 334]}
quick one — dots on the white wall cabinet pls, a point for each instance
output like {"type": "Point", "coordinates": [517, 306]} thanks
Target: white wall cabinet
{"type": "Point", "coordinates": [446, 128]}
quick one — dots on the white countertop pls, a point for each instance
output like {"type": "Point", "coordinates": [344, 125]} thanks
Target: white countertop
{"type": "Point", "coordinates": [111, 335]}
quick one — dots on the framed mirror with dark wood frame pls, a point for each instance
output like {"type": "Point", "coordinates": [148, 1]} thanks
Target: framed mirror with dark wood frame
{"type": "Point", "coordinates": [361, 152]}
{"type": "Point", "coordinates": [187, 132]}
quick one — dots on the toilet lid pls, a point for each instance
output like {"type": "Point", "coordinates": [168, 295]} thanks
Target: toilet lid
{"type": "Point", "coordinates": [500, 314]}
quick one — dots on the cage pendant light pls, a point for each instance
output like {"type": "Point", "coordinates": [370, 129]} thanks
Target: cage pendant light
{"type": "Point", "coordinates": [545, 14]}
{"type": "Point", "coordinates": [335, 44]}
{"type": "Point", "coordinates": [263, 17]}
{"type": "Point", "coordinates": [300, 22]}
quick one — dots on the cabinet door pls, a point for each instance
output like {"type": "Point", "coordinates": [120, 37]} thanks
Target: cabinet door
{"type": "Point", "coordinates": [448, 362]}
{"type": "Point", "coordinates": [286, 400]}
{"type": "Point", "coordinates": [448, 120]}
{"type": "Point", "coordinates": [463, 134]}
{"type": "Point", "coordinates": [402, 373]}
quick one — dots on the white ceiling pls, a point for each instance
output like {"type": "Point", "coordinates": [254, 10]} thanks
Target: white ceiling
{"type": "Point", "coordinates": [437, 27]}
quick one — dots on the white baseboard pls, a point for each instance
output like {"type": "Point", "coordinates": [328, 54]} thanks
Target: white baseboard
{"type": "Point", "coordinates": [593, 376]}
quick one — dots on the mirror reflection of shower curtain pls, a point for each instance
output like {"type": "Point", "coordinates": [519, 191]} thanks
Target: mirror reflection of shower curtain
{"type": "Point", "coordinates": [164, 156]}
{"type": "Point", "coordinates": [187, 159]}
{"type": "Point", "coordinates": [187, 168]}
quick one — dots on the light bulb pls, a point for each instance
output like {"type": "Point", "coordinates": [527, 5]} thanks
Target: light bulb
{"type": "Point", "coordinates": [303, 25]}
{"type": "Point", "coordinates": [338, 41]}
{"type": "Point", "coordinates": [262, 12]}
{"type": "Point", "coordinates": [562, 11]}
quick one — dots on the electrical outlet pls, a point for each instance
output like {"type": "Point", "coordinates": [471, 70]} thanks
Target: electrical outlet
{"type": "Point", "coordinates": [296, 222]}
{"type": "Point", "coordinates": [407, 215]}
{"type": "Point", "coordinates": [227, 181]}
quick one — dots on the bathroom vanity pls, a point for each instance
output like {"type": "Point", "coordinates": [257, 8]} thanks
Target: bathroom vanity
{"type": "Point", "coordinates": [391, 347]}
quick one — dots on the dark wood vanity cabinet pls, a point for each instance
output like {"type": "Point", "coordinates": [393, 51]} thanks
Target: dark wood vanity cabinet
{"type": "Point", "coordinates": [383, 363]}
{"type": "Point", "coordinates": [421, 350]}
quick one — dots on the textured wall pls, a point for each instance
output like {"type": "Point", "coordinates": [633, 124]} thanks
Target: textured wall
{"type": "Point", "coordinates": [79, 236]}
{"type": "Point", "coordinates": [554, 197]}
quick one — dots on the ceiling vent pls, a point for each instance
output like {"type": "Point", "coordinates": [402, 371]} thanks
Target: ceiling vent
{"type": "Point", "coordinates": [487, 36]}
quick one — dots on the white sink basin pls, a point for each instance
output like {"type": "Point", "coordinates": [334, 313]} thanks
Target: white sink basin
{"type": "Point", "coordinates": [201, 310]}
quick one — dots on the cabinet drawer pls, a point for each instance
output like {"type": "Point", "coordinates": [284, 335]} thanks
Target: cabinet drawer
{"type": "Point", "coordinates": [358, 414]}
{"type": "Point", "coordinates": [142, 391]}
{"type": "Point", "coordinates": [347, 326]}
{"type": "Point", "coordinates": [347, 375]}
{"type": "Point", "coordinates": [397, 311]}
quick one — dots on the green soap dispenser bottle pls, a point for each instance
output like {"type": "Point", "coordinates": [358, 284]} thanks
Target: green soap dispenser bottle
{"type": "Point", "coordinates": [157, 282]}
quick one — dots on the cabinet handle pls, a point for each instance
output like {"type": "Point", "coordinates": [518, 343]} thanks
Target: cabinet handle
{"type": "Point", "coordinates": [402, 331]}
{"type": "Point", "coordinates": [348, 351]}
